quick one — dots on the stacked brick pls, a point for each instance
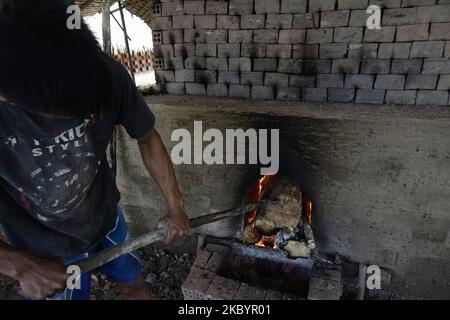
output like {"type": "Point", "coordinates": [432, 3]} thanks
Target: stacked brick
{"type": "Point", "coordinates": [142, 60]}
{"type": "Point", "coordinates": [317, 50]}
{"type": "Point", "coordinates": [205, 283]}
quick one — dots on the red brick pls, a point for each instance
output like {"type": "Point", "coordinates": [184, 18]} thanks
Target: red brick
{"type": "Point", "coordinates": [222, 289]}
{"type": "Point", "coordinates": [196, 284]}
{"type": "Point", "coordinates": [216, 262]}
{"type": "Point", "coordinates": [217, 248]}
{"type": "Point", "coordinates": [247, 292]}
{"type": "Point", "coordinates": [202, 258]}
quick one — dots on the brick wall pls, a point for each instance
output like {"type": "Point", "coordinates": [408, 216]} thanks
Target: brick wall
{"type": "Point", "coordinates": [142, 60]}
{"type": "Point", "coordinates": [317, 50]}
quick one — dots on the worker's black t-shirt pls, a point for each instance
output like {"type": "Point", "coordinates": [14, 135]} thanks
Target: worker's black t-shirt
{"type": "Point", "coordinates": [58, 195]}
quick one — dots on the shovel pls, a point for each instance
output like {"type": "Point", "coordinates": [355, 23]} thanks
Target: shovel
{"type": "Point", "coordinates": [105, 256]}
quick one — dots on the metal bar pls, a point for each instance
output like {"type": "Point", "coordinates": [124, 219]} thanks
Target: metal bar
{"type": "Point", "coordinates": [120, 26]}
{"type": "Point", "coordinates": [127, 44]}
{"type": "Point", "coordinates": [112, 253]}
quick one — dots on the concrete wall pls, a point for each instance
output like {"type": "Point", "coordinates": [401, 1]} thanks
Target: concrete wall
{"type": "Point", "coordinates": [315, 50]}
{"type": "Point", "coordinates": [378, 177]}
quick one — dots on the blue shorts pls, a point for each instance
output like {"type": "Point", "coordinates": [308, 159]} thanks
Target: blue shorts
{"type": "Point", "coordinates": [125, 269]}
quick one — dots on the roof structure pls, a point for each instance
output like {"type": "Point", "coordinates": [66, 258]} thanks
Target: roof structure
{"type": "Point", "coordinates": [140, 8]}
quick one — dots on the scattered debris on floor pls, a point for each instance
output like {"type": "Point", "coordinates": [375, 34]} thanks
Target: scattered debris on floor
{"type": "Point", "coordinates": [8, 289]}
{"type": "Point", "coordinates": [167, 272]}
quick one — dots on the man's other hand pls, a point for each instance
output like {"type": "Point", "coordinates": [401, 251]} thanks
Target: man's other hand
{"type": "Point", "coordinates": [177, 225]}
{"type": "Point", "coordinates": [42, 278]}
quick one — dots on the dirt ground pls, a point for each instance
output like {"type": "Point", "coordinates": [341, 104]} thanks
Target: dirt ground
{"type": "Point", "coordinates": [166, 269]}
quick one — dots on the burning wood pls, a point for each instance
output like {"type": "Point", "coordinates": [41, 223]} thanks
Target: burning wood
{"type": "Point", "coordinates": [282, 224]}
{"type": "Point", "coordinates": [286, 213]}
{"type": "Point", "coordinates": [250, 235]}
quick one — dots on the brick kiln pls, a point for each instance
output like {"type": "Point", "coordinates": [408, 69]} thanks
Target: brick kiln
{"type": "Point", "coordinates": [377, 171]}
{"type": "Point", "coordinates": [273, 255]}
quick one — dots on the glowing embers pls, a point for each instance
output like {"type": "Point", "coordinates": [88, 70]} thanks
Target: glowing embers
{"type": "Point", "coordinates": [284, 224]}
{"type": "Point", "coordinates": [267, 242]}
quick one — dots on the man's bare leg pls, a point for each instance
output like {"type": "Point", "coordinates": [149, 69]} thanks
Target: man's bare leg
{"type": "Point", "coordinates": [139, 290]}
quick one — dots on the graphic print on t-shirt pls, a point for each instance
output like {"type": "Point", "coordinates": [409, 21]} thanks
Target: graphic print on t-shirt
{"type": "Point", "coordinates": [45, 164]}
{"type": "Point", "coordinates": [51, 171]}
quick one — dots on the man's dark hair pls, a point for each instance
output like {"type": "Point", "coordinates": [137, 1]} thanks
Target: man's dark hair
{"type": "Point", "coordinates": [46, 67]}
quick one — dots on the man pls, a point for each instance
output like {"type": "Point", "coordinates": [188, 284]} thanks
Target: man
{"type": "Point", "coordinates": [60, 99]}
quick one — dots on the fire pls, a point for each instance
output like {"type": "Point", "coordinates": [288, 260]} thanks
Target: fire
{"type": "Point", "coordinates": [308, 207]}
{"type": "Point", "coordinates": [266, 242]}
{"type": "Point", "coordinates": [255, 195]}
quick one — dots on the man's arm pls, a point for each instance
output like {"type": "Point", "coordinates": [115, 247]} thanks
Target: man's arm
{"type": "Point", "coordinates": [39, 278]}
{"type": "Point", "coordinates": [11, 261]}
{"type": "Point", "coordinates": [159, 165]}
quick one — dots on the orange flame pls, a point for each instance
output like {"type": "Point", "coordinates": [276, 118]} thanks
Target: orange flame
{"type": "Point", "coordinates": [266, 242]}
{"type": "Point", "coordinates": [308, 208]}
{"type": "Point", "coordinates": [255, 195]}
